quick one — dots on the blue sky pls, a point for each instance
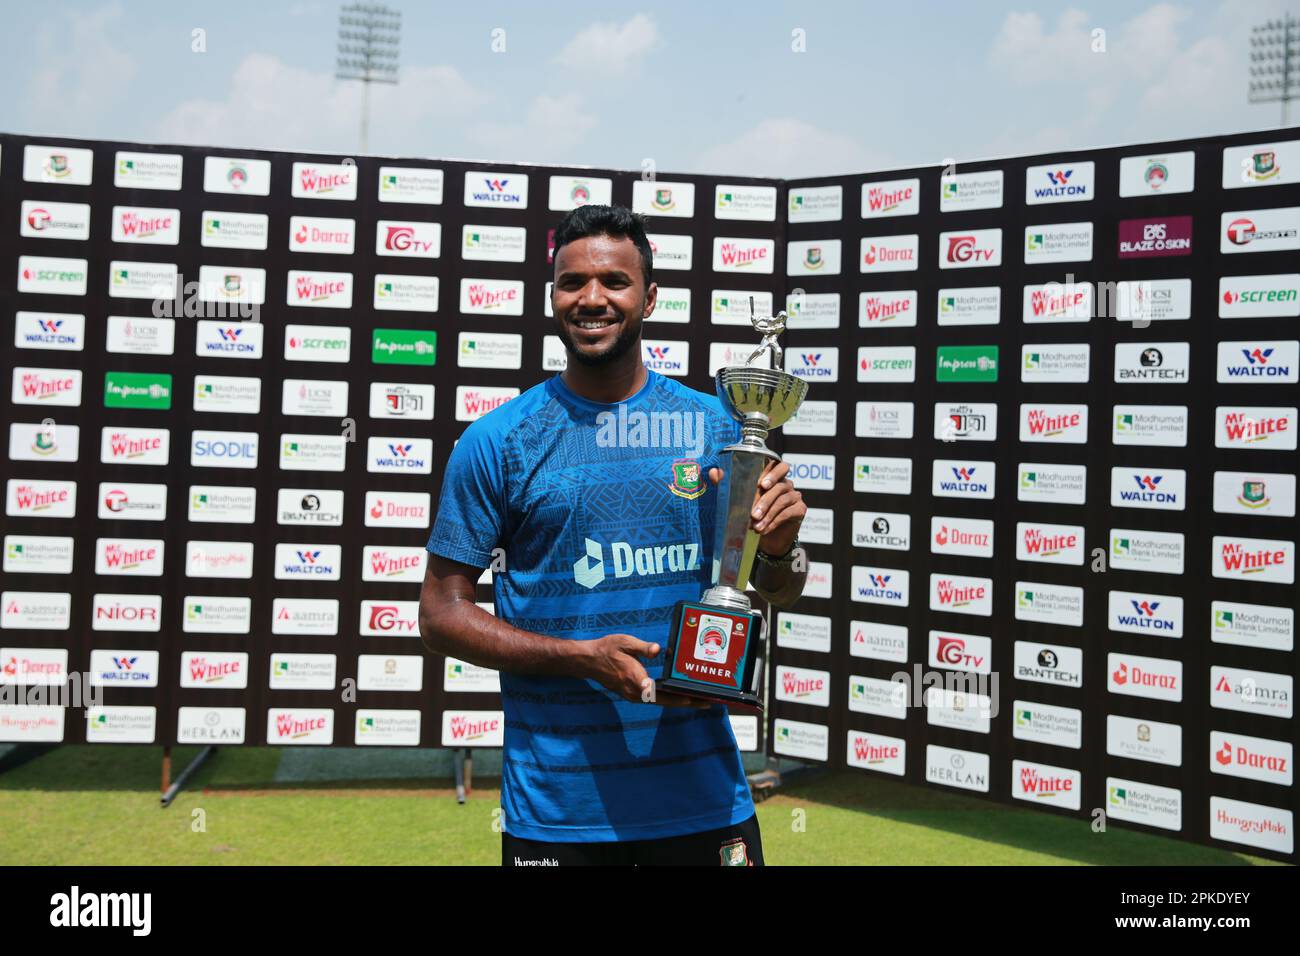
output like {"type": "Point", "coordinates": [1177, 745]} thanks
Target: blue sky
{"type": "Point", "coordinates": [696, 87]}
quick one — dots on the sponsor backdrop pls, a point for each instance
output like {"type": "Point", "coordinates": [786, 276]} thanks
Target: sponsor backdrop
{"type": "Point", "coordinates": [1054, 437]}
{"type": "Point", "coordinates": [1049, 451]}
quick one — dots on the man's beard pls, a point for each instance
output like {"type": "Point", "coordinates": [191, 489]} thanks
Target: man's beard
{"type": "Point", "coordinates": [628, 335]}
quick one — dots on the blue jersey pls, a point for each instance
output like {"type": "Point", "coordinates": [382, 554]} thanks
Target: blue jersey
{"type": "Point", "coordinates": [606, 516]}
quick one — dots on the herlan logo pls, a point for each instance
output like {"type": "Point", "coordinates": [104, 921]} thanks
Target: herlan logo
{"type": "Point", "coordinates": [686, 481]}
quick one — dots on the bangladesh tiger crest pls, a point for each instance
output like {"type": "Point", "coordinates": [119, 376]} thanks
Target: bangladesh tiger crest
{"type": "Point", "coordinates": [686, 479]}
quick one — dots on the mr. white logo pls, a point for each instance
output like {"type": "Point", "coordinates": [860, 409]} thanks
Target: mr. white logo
{"type": "Point", "coordinates": [589, 570]}
{"type": "Point", "coordinates": [77, 909]}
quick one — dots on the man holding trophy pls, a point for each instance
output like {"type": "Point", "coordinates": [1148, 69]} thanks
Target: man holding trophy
{"type": "Point", "coordinates": [628, 513]}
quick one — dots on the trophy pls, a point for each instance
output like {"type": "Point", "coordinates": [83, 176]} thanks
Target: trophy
{"type": "Point", "coordinates": [714, 649]}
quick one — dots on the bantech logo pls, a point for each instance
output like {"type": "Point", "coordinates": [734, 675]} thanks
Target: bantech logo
{"type": "Point", "coordinates": [650, 561]}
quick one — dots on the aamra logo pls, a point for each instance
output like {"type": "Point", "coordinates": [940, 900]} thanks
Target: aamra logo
{"type": "Point", "coordinates": [686, 481]}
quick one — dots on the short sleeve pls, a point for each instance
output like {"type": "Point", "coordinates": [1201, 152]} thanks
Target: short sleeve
{"type": "Point", "coordinates": [471, 508]}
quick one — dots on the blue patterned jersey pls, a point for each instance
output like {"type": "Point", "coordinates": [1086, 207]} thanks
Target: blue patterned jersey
{"type": "Point", "coordinates": [606, 516]}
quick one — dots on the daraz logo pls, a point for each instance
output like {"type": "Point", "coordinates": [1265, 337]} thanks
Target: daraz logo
{"type": "Point", "coordinates": [589, 570]}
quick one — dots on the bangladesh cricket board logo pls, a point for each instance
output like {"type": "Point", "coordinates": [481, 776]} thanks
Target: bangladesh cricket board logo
{"type": "Point", "coordinates": [1263, 165]}
{"type": "Point", "coordinates": [663, 199]}
{"type": "Point", "coordinates": [1253, 495]}
{"type": "Point", "coordinates": [687, 482]}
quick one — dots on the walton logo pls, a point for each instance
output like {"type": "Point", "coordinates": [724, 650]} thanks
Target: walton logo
{"type": "Point", "coordinates": [1145, 616]}
{"type": "Point", "coordinates": [589, 570]}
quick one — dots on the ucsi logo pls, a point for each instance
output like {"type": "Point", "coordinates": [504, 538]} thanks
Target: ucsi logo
{"type": "Point", "coordinates": [589, 570]}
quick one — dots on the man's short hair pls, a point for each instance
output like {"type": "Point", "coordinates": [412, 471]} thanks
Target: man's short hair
{"type": "Point", "coordinates": [599, 220]}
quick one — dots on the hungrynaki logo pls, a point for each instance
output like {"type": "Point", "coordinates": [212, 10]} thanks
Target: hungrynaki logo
{"type": "Point", "coordinates": [872, 751]}
{"type": "Point", "coordinates": [1246, 427]}
{"type": "Point", "coordinates": [331, 236]}
{"type": "Point", "coordinates": [875, 585]}
{"type": "Point", "coordinates": [324, 181]}
{"type": "Point", "coordinates": [134, 446]}
{"type": "Point", "coordinates": [1254, 559]}
{"type": "Point", "coordinates": [1049, 543]}
{"type": "Point", "coordinates": [1071, 182]}
{"type": "Point", "coordinates": [40, 498]}
{"type": "Point", "coordinates": [1139, 612]}
{"type": "Point", "coordinates": [887, 309]}
{"type": "Point", "coordinates": [226, 174]}
{"type": "Point", "coordinates": [961, 595]}
{"type": "Point", "coordinates": [1151, 175]}
{"type": "Point", "coordinates": [1163, 363]}
{"type": "Point", "coordinates": [1260, 230]}
{"type": "Point", "coordinates": [732, 254]}
{"type": "Point", "coordinates": [962, 478]}
{"type": "Point", "coordinates": [479, 728]}
{"type": "Point", "coordinates": [1253, 758]}
{"type": "Point", "coordinates": [223, 669]}
{"type": "Point", "coordinates": [57, 164]}
{"type": "Point", "coordinates": [815, 364]}
{"type": "Point", "coordinates": [1054, 302]}
{"type": "Point", "coordinates": [300, 726]}
{"type": "Point", "coordinates": [321, 290]}
{"type": "Point", "coordinates": [1046, 785]}
{"type": "Point", "coordinates": [889, 253]}
{"type": "Point", "coordinates": [893, 197]}
{"type": "Point", "coordinates": [1263, 296]}
{"type": "Point", "coordinates": [496, 189]}
{"type": "Point", "coordinates": [219, 559]}
{"type": "Point", "coordinates": [1147, 238]}
{"type": "Point", "coordinates": [473, 402]}
{"type": "Point", "coordinates": [411, 240]}
{"type": "Point", "coordinates": [492, 296]}
{"type": "Point", "coordinates": [1256, 361]}
{"type": "Point", "coordinates": [970, 249]}
{"type": "Point", "coordinates": [1163, 489]}
{"type": "Point", "coordinates": [146, 225]}
{"type": "Point", "coordinates": [46, 386]}
{"type": "Point", "coordinates": [412, 456]}
{"type": "Point", "coordinates": [1065, 424]}
{"type": "Point", "coordinates": [229, 340]}
{"type": "Point", "coordinates": [1252, 692]}
{"type": "Point", "coordinates": [314, 343]}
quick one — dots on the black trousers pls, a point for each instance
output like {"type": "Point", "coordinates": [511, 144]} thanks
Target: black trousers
{"type": "Point", "coordinates": [738, 845]}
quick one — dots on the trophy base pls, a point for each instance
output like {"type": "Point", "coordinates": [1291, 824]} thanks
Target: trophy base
{"type": "Point", "coordinates": [714, 653]}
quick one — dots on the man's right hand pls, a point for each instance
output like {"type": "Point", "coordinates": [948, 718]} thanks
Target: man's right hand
{"type": "Point", "coordinates": [613, 662]}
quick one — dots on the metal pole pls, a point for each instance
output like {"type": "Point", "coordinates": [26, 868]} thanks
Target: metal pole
{"type": "Point", "coordinates": [365, 115]}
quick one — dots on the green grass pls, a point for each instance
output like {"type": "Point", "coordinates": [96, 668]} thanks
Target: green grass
{"type": "Point", "coordinates": [89, 805]}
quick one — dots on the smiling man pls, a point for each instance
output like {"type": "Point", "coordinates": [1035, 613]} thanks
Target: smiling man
{"type": "Point", "coordinates": [604, 527]}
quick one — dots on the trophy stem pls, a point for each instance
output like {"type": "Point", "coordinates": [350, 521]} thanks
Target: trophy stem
{"type": "Point", "coordinates": [735, 541]}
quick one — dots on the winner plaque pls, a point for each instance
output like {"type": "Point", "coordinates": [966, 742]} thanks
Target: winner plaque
{"type": "Point", "coordinates": [714, 648]}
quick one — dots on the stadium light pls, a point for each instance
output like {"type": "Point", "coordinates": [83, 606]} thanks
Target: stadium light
{"type": "Point", "coordinates": [1275, 63]}
{"type": "Point", "coordinates": [369, 37]}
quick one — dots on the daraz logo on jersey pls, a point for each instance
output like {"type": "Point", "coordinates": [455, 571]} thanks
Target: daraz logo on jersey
{"type": "Point", "coordinates": [589, 570]}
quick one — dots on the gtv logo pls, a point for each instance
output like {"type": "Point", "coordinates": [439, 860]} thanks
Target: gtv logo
{"type": "Point", "coordinates": [589, 570]}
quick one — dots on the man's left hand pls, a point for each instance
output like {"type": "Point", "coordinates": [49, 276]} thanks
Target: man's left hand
{"type": "Point", "coordinates": [778, 509]}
